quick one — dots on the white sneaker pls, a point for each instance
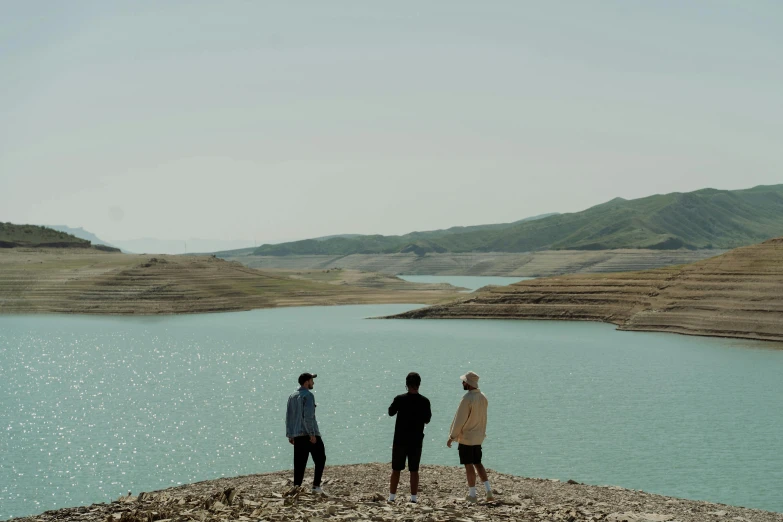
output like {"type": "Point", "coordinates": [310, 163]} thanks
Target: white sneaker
{"type": "Point", "coordinates": [470, 499]}
{"type": "Point", "coordinates": [490, 496]}
{"type": "Point", "coordinates": [318, 491]}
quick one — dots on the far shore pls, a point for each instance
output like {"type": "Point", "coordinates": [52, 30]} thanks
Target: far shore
{"type": "Point", "coordinates": [543, 263]}
{"type": "Point", "coordinates": [84, 281]}
{"type": "Point", "coordinates": [736, 295]}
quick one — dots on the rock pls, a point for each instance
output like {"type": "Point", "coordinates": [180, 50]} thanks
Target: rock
{"type": "Point", "coordinates": [374, 497]}
{"type": "Point", "coordinates": [655, 517]}
{"type": "Point", "coordinates": [256, 498]}
{"type": "Point", "coordinates": [638, 517]}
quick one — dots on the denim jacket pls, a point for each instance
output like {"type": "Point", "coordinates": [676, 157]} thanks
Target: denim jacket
{"type": "Point", "coordinates": [300, 414]}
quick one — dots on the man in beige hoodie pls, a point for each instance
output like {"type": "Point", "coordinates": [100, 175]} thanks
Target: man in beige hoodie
{"type": "Point", "coordinates": [469, 429]}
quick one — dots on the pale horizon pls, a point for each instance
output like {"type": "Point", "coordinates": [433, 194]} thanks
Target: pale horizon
{"type": "Point", "coordinates": [269, 123]}
{"type": "Point", "coordinates": [256, 243]}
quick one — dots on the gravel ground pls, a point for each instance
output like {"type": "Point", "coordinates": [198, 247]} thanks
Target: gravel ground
{"type": "Point", "coordinates": [358, 492]}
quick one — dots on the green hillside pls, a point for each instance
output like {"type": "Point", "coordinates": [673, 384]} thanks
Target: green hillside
{"type": "Point", "coordinates": [707, 218]}
{"type": "Point", "coordinates": [34, 236]}
{"type": "Point", "coordinates": [417, 242]}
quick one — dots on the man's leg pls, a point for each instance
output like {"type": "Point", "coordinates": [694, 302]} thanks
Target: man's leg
{"type": "Point", "coordinates": [319, 458]}
{"type": "Point", "coordinates": [414, 457]}
{"type": "Point", "coordinates": [467, 457]}
{"type": "Point", "coordinates": [471, 474]}
{"type": "Point", "coordinates": [301, 453]}
{"type": "Point", "coordinates": [398, 464]}
{"type": "Point", "coordinates": [482, 473]}
{"type": "Point", "coordinates": [394, 481]}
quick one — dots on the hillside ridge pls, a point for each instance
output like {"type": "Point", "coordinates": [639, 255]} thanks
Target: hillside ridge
{"type": "Point", "coordinates": [37, 236]}
{"type": "Point", "coordinates": [702, 219]}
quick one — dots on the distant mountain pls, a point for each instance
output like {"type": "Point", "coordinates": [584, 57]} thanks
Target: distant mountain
{"type": "Point", "coordinates": [707, 218]}
{"type": "Point", "coordinates": [81, 233]}
{"type": "Point", "coordinates": [349, 236]}
{"type": "Point", "coordinates": [417, 242]}
{"type": "Point", "coordinates": [12, 236]}
{"type": "Point", "coordinates": [150, 245]}
{"type": "Point", "coordinates": [158, 246]}
{"type": "Point", "coordinates": [424, 235]}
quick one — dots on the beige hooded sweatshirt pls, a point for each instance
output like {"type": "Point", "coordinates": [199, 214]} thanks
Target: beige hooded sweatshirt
{"type": "Point", "coordinates": [470, 422]}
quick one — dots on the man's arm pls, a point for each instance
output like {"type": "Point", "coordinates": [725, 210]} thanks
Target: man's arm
{"type": "Point", "coordinates": [394, 408]}
{"type": "Point", "coordinates": [460, 418]}
{"type": "Point", "coordinates": [287, 421]}
{"type": "Point", "coordinates": [427, 412]}
{"type": "Point", "coordinates": [308, 419]}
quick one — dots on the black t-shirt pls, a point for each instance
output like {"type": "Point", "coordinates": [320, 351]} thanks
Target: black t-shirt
{"type": "Point", "coordinates": [413, 412]}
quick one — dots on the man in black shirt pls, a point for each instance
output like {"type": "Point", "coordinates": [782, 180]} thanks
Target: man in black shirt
{"type": "Point", "coordinates": [413, 412]}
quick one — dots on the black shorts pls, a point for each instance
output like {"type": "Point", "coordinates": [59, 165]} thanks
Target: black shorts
{"type": "Point", "coordinates": [469, 454]}
{"type": "Point", "coordinates": [400, 452]}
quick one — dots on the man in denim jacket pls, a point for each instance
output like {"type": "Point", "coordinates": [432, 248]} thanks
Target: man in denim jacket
{"type": "Point", "coordinates": [301, 428]}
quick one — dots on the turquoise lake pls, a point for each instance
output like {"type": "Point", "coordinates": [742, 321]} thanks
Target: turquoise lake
{"type": "Point", "coordinates": [91, 407]}
{"type": "Point", "coordinates": [469, 282]}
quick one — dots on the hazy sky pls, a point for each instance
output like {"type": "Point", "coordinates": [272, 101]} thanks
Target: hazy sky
{"type": "Point", "coordinates": [277, 120]}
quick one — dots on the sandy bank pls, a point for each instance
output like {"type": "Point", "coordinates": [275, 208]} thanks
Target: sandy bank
{"type": "Point", "coordinates": [358, 492]}
{"type": "Point", "coordinates": [94, 282]}
{"type": "Point", "coordinates": [532, 264]}
{"type": "Point", "coordinates": [738, 294]}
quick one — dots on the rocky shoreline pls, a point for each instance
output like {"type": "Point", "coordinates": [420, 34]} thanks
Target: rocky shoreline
{"type": "Point", "coordinates": [738, 294]}
{"type": "Point", "coordinates": [358, 492]}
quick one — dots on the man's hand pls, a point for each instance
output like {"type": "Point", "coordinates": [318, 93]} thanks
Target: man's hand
{"type": "Point", "coordinates": [448, 443]}
{"type": "Point", "coordinates": [290, 440]}
{"type": "Point", "coordinates": [312, 439]}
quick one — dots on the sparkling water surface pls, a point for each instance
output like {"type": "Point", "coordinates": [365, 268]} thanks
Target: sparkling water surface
{"type": "Point", "coordinates": [91, 407]}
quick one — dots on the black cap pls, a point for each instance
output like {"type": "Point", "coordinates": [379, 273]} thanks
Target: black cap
{"type": "Point", "coordinates": [306, 377]}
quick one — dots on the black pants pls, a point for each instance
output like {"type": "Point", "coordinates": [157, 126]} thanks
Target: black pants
{"type": "Point", "coordinates": [401, 452]}
{"type": "Point", "coordinates": [303, 448]}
